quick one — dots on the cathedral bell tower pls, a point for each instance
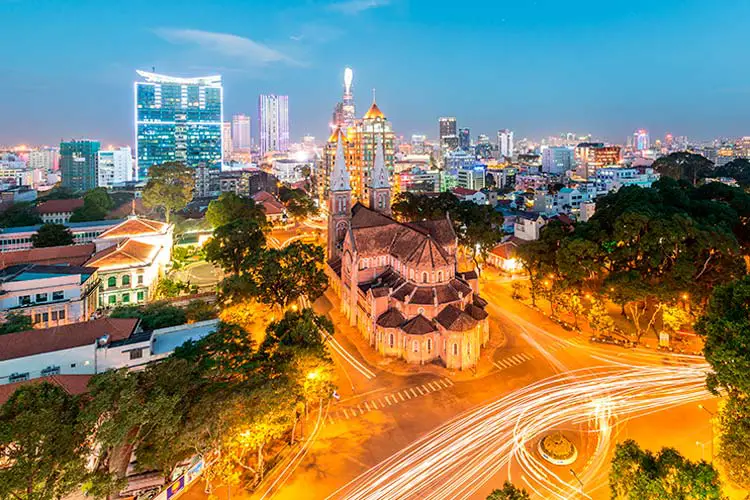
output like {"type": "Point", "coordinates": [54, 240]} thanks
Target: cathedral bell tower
{"type": "Point", "coordinates": [380, 185]}
{"type": "Point", "coordinates": [339, 202]}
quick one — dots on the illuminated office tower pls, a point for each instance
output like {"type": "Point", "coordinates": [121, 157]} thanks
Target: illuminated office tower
{"type": "Point", "coordinates": [273, 123]}
{"type": "Point", "coordinates": [641, 140]}
{"type": "Point", "coordinates": [114, 166]}
{"type": "Point", "coordinates": [78, 161]}
{"type": "Point", "coordinates": [226, 140]}
{"type": "Point", "coordinates": [464, 138]}
{"type": "Point", "coordinates": [505, 143]}
{"type": "Point", "coordinates": [178, 119]}
{"type": "Point", "coordinates": [241, 132]}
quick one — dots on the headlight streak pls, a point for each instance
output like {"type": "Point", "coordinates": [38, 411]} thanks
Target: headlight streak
{"type": "Point", "coordinates": [459, 457]}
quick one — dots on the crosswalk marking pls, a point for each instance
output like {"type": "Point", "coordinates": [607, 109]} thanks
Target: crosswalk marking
{"type": "Point", "coordinates": [512, 360]}
{"type": "Point", "coordinates": [412, 391]}
{"type": "Point", "coordinates": [420, 391]}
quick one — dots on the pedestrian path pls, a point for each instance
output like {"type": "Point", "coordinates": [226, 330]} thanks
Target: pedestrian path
{"type": "Point", "coordinates": [394, 398]}
{"type": "Point", "coordinates": [512, 361]}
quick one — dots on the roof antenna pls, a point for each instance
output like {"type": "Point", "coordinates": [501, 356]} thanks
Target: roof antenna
{"type": "Point", "coordinates": [373, 95]}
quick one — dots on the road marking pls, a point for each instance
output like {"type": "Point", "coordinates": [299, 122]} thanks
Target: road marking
{"type": "Point", "coordinates": [360, 409]}
{"type": "Point", "coordinates": [448, 381]}
{"type": "Point", "coordinates": [419, 391]}
{"type": "Point", "coordinates": [426, 389]}
{"type": "Point", "coordinates": [402, 397]}
{"type": "Point", "coordinates": [346, 414]}
{"type": "Point", "coordinates": [412, 391]}
{"type": "Point", "coordinates": [517, 359]}
{"type": "Point", "coordinates": [367, 406]}
{"type": "Point", "coordinates": [433, 388]}
{"type": "Point", "coordinates": [374, 404]}
{"type": "Point", "coordinates": [497, 366]}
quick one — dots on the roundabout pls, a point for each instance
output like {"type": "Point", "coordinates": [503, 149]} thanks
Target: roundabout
{"type": "Point", "coordinates": [557, 449]}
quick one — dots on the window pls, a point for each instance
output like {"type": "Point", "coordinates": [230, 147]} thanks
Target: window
{"type": "Point", "coordinates": [440, 275]}
{"type": "Point", "coordinates": [140, 279]}
{"type": "Point", "coordinates": [424, 277]}
{"type": "Point", "coordinates": [415, 346]}
{"type": "Point", "coordinates": [41, 297]}
{"type": "Point", "coordinates": [468, 349]}
{"type": "Point", "coordinates": [61, 314]}
{"type": "Point", "coordinates": [45, 317]}
{"type": "Point", "coordinates": [126, 298]}
{"type": "Point", "coordinates": [390, 340]}
{"type": "Point", "coordinates": [136, 354]}
{"type": "Point", "coordinates": [54, 315]}
{"type": "Point", "coordinates": [140, 296]}
{"type": "Point", "coordinates": [429, 345]}
{"type": "Point", "coordinates": [24, 300]}
{"type": "Point", "coordinates": [126, 280]}
{"type": "Point", "coordinates": [455, 349]}
{"type": "Point", "coordinates": [112, 281]}
{"type": "Point", "coordinates": [112, 299]}
{"type": "Point", "coordinates": [59, 295]}
{"type": "Point", "coordinates": [51, 370]}
{"type": "Point", "coordinates": [18, 377]}
{"type": "Point", "coordinates": [37, 318]}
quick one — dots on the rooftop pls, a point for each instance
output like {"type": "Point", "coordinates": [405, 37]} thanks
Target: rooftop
{"type": "Point", "coordinates": [97, 224]}
{"type": "Point", "coordinates": [29, 272]}
{"type": "Point", "coordinates": [72, 384]}
{"type": "Point", "coordinates": [135, 226]}
{"type": "Point", "coordinates": [58, 206]}
{"type": "Point", "coordinates": [31, 342]}
{"type": "Point", "coordinates": [130, 253]}
{"type": "Point", "coordinates": [73, 255]}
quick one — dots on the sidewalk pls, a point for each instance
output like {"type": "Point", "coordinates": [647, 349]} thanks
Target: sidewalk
{"type": "Point", "coordinates": [399, 367]}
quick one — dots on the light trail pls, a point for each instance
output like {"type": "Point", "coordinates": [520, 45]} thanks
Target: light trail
{"type": "Point", "coordinates": [459, 457]}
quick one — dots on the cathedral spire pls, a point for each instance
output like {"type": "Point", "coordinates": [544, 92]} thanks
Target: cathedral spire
{"type": "Point", "coordinates": [379, 175]}
{"type": "Point", "coordinates": [340, 175]}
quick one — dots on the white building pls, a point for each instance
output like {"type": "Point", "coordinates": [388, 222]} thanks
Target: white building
{"type": "Point", "coordinates": [19, 238]}
{"type": "Point", "coordinates": [115, 167]}
{"type": "Point", "coordinates": [58, 211]}
{"type": "Point", "coordinates": [91, 347]}
{"type": "Point", "coordinates": [505, 143]}
{"type": "Point", "coordinates": [588, 209]}
{"type": "Point", "coordinates": [528, 226]}
{"type": "Point", "coordinates": [476, 197]}
{"type": "Point", "coordinates": [273, 122]}
{"type": "Point", "coordinates": [50, 294]}
{"type": "Point", "coordinates": [44, 159]}
{"type": "Point", "coordinates": [610, 179]}
{"type": "Point", "coordinates": [241, 132]}
{"type": "Point", "coordinates": [290, 170]}
{"type": "Point", "coordinates": [557, 160]}
{"type": "Point", "coordinates": [131, 257]}
{"type": "Point", "coordinates": [472, 178]}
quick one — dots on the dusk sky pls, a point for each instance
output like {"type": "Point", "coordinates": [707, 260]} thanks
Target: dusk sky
{"type": "Point", "coordinates": [537, 67]}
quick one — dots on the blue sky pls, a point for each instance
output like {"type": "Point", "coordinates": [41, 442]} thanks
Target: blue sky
{"type": "Point", "coordinates": [538, 67]}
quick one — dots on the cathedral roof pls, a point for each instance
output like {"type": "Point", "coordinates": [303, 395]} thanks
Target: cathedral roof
{"type": "Point", "coordinates": [392, 318]}
{"type": "Point", "coordinates": [374, 112]}
{"type": "Point", "coordinates": [419, 325]}
{"type": "Point", "coordinates": [453, 318]}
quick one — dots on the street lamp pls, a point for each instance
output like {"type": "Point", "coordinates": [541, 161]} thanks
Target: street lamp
{"type": "Point", "coordinates": [703, 449]}
{"type": "Point", "coordinates": [711, 425]}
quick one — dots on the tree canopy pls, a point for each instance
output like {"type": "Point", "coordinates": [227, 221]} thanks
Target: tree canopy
{"type": "Point", "coordinates": [509, 492]}
{"type": "Point", "coordinates": [737, 169]}
{"type": "Point", "coordinates": [16, 322]}
{"type": "Point", "coordinates": [52, 235]}
{"type": "Point", "coordinates": [685, 166]}
{"type": "Point", "coordinates": [44, 446]}
{"type": "Point", "coordinates": [20, 215]}
{"type": "Point", "coordinates": [236, 244]}
{"type": "Point", "coordinates": [298, 203]}
{"type": "Point", "coordinates": [229, 208]}
{"type": "Point", "coordinates": [154, 315]}
{"type": "Point", "coordinates": [96, 204]}
{"type": "Point", "coordinates": [638, 474]}
{"type": "Point", "coordinates": [169, 187]}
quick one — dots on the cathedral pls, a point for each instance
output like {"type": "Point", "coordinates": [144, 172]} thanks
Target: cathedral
{"type": "Point", "coordinates": [398, 283]}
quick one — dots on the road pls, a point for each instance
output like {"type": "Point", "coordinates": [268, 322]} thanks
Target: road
{"type": "Point", "coordinates": [430, 436]}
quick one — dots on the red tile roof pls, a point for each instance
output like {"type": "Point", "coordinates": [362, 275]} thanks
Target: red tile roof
{"type": "Point", "coordinates": [269, 203]}
{"type": "Point", "coordinates": [72, 384]}
{"type": "Point", "coordinates": [135, 227]}
{"type": "Point", "coordinates": [31, 342]}
{"type": "Point", "coordinates": [58, 206]}
{"type": "Point", "coordinates": [460, 191]}
{"type": "Point", "coordinates": [74, 255]}
{"type": "Point", "coordinates": [129, 253]}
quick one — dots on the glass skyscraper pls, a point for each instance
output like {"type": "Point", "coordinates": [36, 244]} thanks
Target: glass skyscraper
{"type": "Point", "coordinates": [273, 123]}
{"type": "Point", "coordinates": [78, 164]}
{"type": "Point", "coordinates": [178, 119]}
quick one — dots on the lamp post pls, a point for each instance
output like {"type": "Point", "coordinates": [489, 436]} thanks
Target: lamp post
{"type": "Point", "coordinates": [711, 424]}
{"type": "Point", "coordinates": [703, 449]}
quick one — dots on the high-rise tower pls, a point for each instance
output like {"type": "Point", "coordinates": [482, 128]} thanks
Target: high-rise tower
{"type": "Point", "coordinates": [348, 110]}
{"type": "Point", "coordinates": [273, 123]}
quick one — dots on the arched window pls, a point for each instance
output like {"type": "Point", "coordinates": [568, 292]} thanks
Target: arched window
{"type": "Point", "coordinates": [424, 277]}
{"type": "Point", "coordinates": [112, 281]}
{"type": "Point", "coordinates": [455, 349]}
{"type": "Point", "coordinates": [440, 275]}
{"type": "Point", "coordinates": [429, 345]}
{"type": "Point", "coordinates": [391, 340]}
{"type": "Point", "coordinates": [126, 280]}
{"type": "Point", "coordinates": [415, 346]}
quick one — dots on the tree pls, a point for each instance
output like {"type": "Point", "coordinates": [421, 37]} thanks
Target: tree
{"type": "Point", "coordinates": [280, 277]}
{"type": "Point", "coordinates": [200, 310]}
{"type": "Point", "coordinates": [52, 235]}
{"type": "Point", "coordinates": [16, 322]}
{"type": "Point", "coordinates": [229, 208]}
{"type": "Point", "coordinates": [737, 169]}
{"type": "Point", "coordinates": [509, 492]}
{"type": "Point", "coordinates": [725, 327]}
{"type": "Point", "coordinates": [686, 166]}
{"type": "Point", "coordinates": [599, 320]}
{"type": "Point", "coordinates": [96, 204]}
{"type": "Point", "coordinates": [734, 440]}
{"type": "Point", "coordinates": [298, 204]}
{"type": "Point", "coordinates": [236, 246]}
{"type": "Point", "coordinates": [60, 193]}
{"type": "Point", "coordinates": [516, 288]}
{"type": "Point", "coordinates": [153, 316]}
{"type": "Point", "coordinates": [20, 215]}
{"type": "Point", "coordinates": [43, 445]}
{"type": "Point", "coordinates": [170, 187]}
{"type": "Point", "coordinates": [640, 474]}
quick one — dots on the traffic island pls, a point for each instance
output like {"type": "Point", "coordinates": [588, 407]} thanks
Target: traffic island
{"type": "Point", "coordinates": [557, 449]}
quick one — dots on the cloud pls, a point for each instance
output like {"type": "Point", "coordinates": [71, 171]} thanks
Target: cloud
{"type": "Point", "coordinates": [248, 51]}
{"type": "Point", "coordinates": [353, 7]}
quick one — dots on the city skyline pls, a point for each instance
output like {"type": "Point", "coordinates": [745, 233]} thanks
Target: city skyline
{"type": "Point", "coordinates": [648, 51]}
